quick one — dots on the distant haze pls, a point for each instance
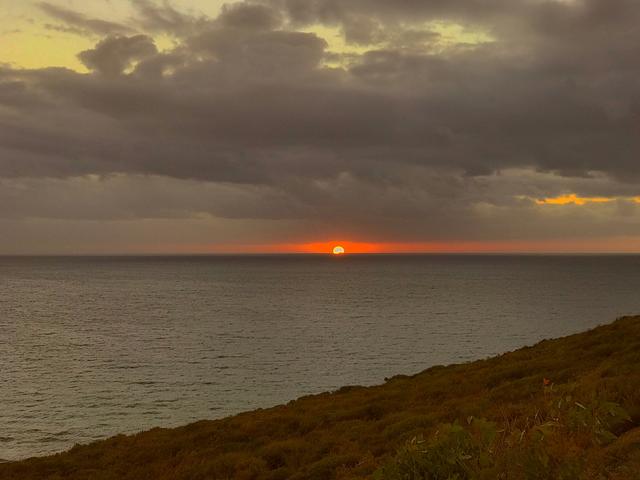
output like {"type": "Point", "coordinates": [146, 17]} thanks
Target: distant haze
{"type": "Point", "coordinates": [293, 125]}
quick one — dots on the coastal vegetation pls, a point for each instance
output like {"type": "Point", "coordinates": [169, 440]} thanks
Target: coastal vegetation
{"type": "Point", "coordinates": [563, 409]}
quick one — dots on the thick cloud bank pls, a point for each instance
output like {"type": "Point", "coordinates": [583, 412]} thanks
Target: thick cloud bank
{"type": "Point", "coordinates": [425, 120]}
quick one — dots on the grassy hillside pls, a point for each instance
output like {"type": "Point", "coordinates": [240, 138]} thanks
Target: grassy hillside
{"type": "Point", "coordinates": [566, 408]}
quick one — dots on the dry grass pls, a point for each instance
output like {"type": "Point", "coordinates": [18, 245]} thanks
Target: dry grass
{"type": "Point", "coordinates": [493, 418]}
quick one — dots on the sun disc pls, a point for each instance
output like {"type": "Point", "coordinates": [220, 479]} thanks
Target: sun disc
{"type": "Point", "coordinates": [338, 250]}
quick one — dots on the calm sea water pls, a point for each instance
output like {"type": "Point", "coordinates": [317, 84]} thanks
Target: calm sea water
{"type": "Point", "coordinates": [91, 347]}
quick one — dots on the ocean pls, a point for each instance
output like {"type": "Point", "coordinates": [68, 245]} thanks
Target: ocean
{"type": "Point", "coordinates": [95, 346]}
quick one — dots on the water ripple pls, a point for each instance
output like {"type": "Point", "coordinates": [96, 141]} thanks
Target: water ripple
{"type": "Point", "coordinates": [91, 347]}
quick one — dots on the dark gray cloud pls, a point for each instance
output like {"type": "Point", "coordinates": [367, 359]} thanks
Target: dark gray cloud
{"type": "Point", "coordinates": [418, 132]}
{"type": "Point", "coordinates": [543, 15]}
{"type": "Point", "coordinates": [163, 17]}
{"type": "Point", "coordinates": [76, 22]}
{"type": "Point", "coordinates": [251, 16]}
{"type": "Point", "coordinates": [113, 55]}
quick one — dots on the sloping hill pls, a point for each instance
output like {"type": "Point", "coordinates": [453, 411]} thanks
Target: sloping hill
{"type": "Point", "coordinates": [566, 408]}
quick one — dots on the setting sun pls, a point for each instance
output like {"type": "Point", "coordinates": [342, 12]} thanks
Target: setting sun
{"type": "Point", "coordinates": [338, 250]}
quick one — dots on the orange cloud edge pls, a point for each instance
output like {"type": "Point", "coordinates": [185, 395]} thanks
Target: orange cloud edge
{"type": "Point", "coordinates": [573, 199]}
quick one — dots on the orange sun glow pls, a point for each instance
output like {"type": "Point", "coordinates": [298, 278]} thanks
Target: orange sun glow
{"type": "Point", "coordinates": [338, 250]}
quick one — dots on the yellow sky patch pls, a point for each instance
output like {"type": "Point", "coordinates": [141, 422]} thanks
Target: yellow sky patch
{"type": "Point", "coordinates": [449, 35]}
{"type": "Point", "coordinates": [452, 34]}
{"type": "Point", "coordinates": [28, 41]}
{"type": "Point", "coordinates": [28, 38]}
{"type": "Point", "coordinates": [40, 50]}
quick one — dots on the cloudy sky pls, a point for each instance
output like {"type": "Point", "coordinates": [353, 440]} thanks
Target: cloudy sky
{"type": "Point", "coordinates": [288, 125]}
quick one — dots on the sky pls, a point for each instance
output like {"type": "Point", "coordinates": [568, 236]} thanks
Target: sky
{"type": "Point", "coordinates": [193, 126]}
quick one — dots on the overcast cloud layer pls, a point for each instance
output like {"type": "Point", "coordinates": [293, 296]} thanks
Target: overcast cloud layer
{"type": "Point", "coordinates": [429, 121]}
